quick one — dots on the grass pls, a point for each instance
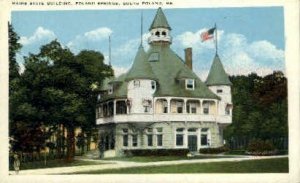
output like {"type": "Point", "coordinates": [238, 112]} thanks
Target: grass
{"type": "Point", "coordinates": [145, 159]}
{"type": "Point", "coordinates": [55, 163]}
{"type": "Point", "coordinates": [278, 165]}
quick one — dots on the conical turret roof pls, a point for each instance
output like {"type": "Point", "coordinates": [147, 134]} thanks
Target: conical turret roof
{"type": "Point", "coordinates": [141, 68]}
{"type": "Point", "coordinates": [160, 20]}
{"type": "Point", "coordinates": [217, 74]}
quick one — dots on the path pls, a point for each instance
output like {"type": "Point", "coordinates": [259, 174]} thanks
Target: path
{"type": "Point", "coordinates": [127, 164]}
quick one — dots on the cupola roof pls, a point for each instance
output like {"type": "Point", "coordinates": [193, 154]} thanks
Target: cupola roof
{"type": "Point", "coordinates": [160, 20]}
{"type": "Point", "coordinates": [217, 74]}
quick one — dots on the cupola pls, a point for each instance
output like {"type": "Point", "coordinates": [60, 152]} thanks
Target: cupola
{"type": "Point", "coordinates": [160, 29]}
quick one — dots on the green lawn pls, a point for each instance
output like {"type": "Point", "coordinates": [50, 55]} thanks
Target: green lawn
{"type": "Point", "coordinates": [145, 159]}
{"type": "Point", "coordinates": [55, 163]}
{"type": "Point", "coordinates": [278, 165]}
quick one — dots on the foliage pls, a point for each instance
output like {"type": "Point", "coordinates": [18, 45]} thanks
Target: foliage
{"type": "Point", "coordinates": [260, 147]}
{"type": "Point", "coordinates": [156, 152]}
{"type": "Point", "coordinates": [57, 89]}
{"type": "Point", "coordinates": [260, 108]}
{"type": "Point", "coordinates": [216, 150]}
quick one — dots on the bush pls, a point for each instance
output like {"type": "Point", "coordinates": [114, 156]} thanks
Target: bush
{"type": "Point", "coordinates": [215, 150]}
{"type": "Point", "coordinates": [261, 148]}
{"type": "Point", "coordinates": [156, 152]}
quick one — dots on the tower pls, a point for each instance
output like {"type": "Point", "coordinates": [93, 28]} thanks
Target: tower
{"type": "Point", "coordinates": [219, 83]}
{"type": "Point", "coordinates": [160, 29]}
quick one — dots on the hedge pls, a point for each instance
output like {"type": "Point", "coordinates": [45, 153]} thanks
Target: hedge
{"type": "Point", "coordinates": [259, 147]}
{"type": "Point", "coordinates": [215, 150]}
{"type": "Point", "coordinates": [155, 152]}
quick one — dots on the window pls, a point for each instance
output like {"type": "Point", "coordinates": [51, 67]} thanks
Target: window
{"type": "Point", "coordinates": [164, 33]}
{"type": "Point", "coordinates": [179, 107]}
{"type": "Point", "coordinates": [153, 85]}
{"type": "Point", "coordinates": [179, 136]}
{"type": "Point", "coordinates": [125, 140]}
{"type": "Point", "coordinates": [150, 139]}
{"type": "Point", "coordinates": [159, 130]}
{"type": "Point", "coordinates": [227, 111]}
{"type": "Point", "coordinates": [149, 130]}
{"type": "Point", "coordinates": [110, 89]}
{"type": "Point", "coordinates": [112, 141]}
{"type": "Point", "coordinates": [159, 140]}
{"type": "Point", "coordinates": [205, 108]}
{"type": "Point", "coordinates": [134, 140]}
{"type": "Point", "coordinates": [204, 137]}
{"type": "Point", "coordinates": [146, 109]}
{"type": "Point", "coordinates": [179, 129]}
{"type": "Point", "coordinates": [165, 106]}
{"type": "Point", "coordinates": [159, 136]}
{"type": "Point", "coordinates": [106, 142]}
{"type": "Point", "coordinates": [219, 91]}
{"type": "Point", "coordinates": [147, 104]}
{"type": "Point", "coordinates": [121, 107]}
{"type": "Point", "coordinates": [179, 139]}
{"type": "Point", "coordinates": [191, 108]}
{"type": "Point", "coordinates": [125, 137]}
{"type": "Point", "coordinates": [136, 83]}
{"type": "Point", "coordinates": [192, 129]}
{"type": "Point", "coordinates": [153, 57]}
{"type": "Point", "coordinates": [157, 33]}
{"type": "Point", "coordinates": [190, 84]}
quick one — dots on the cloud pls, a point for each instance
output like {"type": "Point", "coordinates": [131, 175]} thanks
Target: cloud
{"type": "Point", "coordinates": [120, 70]}
{"type": "Point", "coordinates": [90, 39]}
{"type": "Point", "coordinates": [40, 35]}
{"type": "Point", "coordinates": [98, 34]}
{"type": "Point", "coordinates": [238, 55]}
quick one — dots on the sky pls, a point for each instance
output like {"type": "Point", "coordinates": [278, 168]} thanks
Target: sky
{"type": "Point", "coordinates": [249, 39]}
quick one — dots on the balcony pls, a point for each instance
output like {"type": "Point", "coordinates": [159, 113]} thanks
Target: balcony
{"type": "Point", "coordinates": [123, 118]}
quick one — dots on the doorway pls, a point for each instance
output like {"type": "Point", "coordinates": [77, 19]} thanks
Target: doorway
{"type": "Point", "coordinates": [192, 143]}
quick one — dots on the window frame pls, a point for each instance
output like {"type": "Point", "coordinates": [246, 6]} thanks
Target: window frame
{"type": "Point", "coordinates": [187, 84]}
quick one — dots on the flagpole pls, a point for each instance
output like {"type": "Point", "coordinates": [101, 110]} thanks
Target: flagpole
{"type": "Point", "coordinates": [216, 39]}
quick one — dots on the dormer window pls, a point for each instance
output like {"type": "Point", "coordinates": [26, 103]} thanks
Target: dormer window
{"type": "Point", "coordinates": [110, 89]}
{"type": "Point", "coordinates": [219, 91]}
{"type": "Point", "coordinates": [153, 85]}
{"type": "Point", "coordinates": [190, 84]}
{"type": "Point", "coordinates": [136, 83]}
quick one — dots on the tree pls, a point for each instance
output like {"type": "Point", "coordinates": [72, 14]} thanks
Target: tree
{"type": "Point", "coordinates": [63, 88]}
{"type": "Point", "coordinates": [260, 107]}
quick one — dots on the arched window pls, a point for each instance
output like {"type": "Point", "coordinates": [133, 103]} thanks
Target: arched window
{"type": "Point", "coordinates": [157, 33]}
{"type": "Point", "coordinates": [164, 33]}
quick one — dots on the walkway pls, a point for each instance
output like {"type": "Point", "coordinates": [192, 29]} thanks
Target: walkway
{"type": "Point", "coordinates": [127, 164]}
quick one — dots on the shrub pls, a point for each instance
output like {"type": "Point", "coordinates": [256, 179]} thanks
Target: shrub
{"type": "Point", "coordinates": [215, 150]}
{"type": "Point", "coordinates": [260, 147]}
{"type": "Point", "coordinates": [155, 152]}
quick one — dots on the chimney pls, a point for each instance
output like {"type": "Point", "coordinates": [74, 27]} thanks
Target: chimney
{"type": "Point", "coordinates": [188, 58]}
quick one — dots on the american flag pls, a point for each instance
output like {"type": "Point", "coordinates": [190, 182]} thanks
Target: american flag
{"type": "Point", "coordinates": [207, 34]}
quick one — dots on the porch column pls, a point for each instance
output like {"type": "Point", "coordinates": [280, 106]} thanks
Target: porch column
{"type": "Point", "coordinates": [184, 106]}
{"type": "Point", "coordinates": [115, 107]}
{"type": "Point", "coordinates": [169, 105]}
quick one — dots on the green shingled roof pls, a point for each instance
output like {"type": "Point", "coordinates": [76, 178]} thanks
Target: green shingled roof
{"type": "Point", "coordinates": [160, 20]}
{"type": "Point", "coordinates": [169, 69]}
{"type": "Point", "coordinates": [217, 74]}
{"type": "Point", "coordinates": [141, 68]}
